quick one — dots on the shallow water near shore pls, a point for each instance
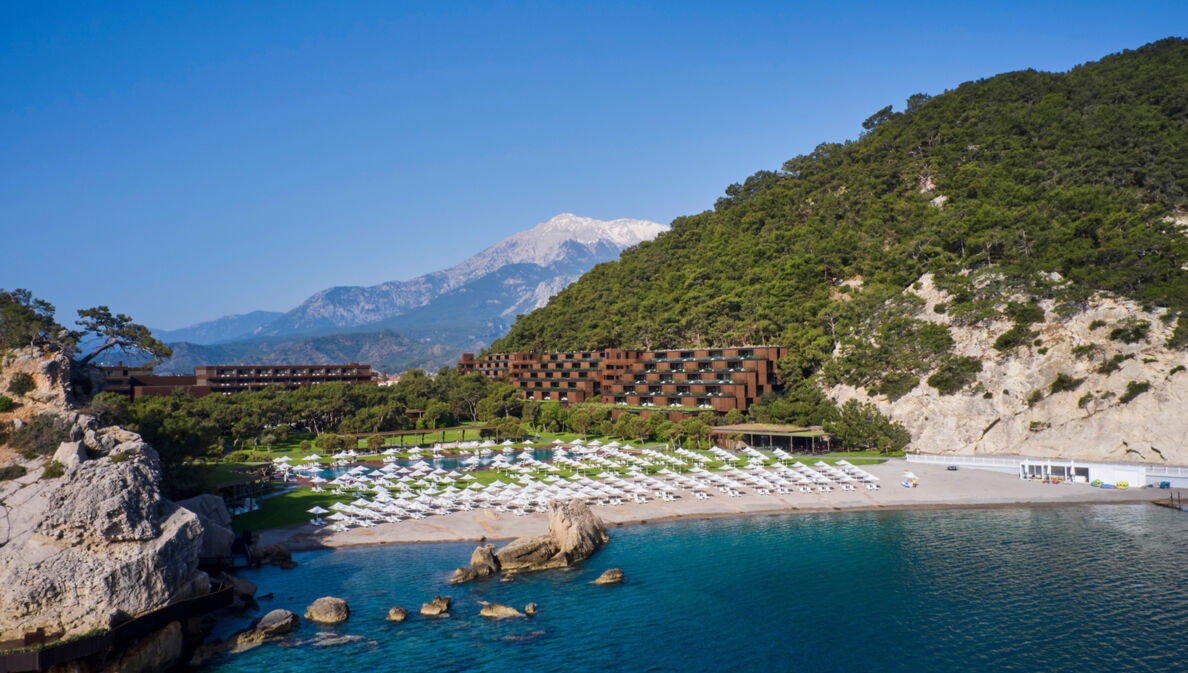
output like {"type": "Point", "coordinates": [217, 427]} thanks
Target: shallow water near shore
{"type": "Point", "coordinates": [1044, 589]}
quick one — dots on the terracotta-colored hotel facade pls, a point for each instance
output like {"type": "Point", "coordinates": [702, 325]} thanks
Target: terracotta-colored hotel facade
{"type": "Point", "coordinates": [717, 379]}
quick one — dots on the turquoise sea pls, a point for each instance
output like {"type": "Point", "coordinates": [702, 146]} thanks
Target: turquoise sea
{"type": "Point", "coordinates": [1044, 589]}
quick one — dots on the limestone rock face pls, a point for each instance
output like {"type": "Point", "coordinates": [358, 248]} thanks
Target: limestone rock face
{"type": "Point", "coordinates": [576, 530]}
{"type": "Point", "coordinates": [612, 576]}
{"type": "Point", "coordinates": [397, 614]}
{"type": "Point", "coordinates": [70, 454]}
{"type": "Point", "coordinates": [992, 415]}
{"type": "Point", "coordinates": [51, 379]}
{"type": "Point", "coordinates": [438, 606]}
{"type": "Point", "coordinates": [92, 547]}
{"type": "Point", "coordinates": [497, 611]}
{"type": "Point", "coordinates": [574, 534]}
{"type": "Point", "coordinates": [212, 513]}
{"type": "Point", "coordinates": [328, 610]}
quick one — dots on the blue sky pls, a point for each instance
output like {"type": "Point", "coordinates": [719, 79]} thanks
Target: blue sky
{"type": "Point", "coordinates": [179, 162]}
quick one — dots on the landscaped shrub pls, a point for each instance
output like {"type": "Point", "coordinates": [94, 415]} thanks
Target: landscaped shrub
{"type": "Point", "coordinates": [42, 435]}
{"type": "Point", "coordinates": [53, 470]}
{"type": "Point", "coordinates": [1176, 370]}
{"type": "Point", "coordinates": [954, 374]}
{"type": "Point", "coordinates": [6, 403]}
{"type": "Point", "coordinates": [1035, 397]}
{"type": "Point", "coordinates": [1131, 331]}
{"type": "Point", "coordinates": [1064, 383]}
{"type": "Point", "coordinates": [1085, 400]}
{"type": "Point", "coordinates": [1096, 324]}
{"type": "Point", "coordinates": [20, 384]}
{"type": "Point", "coordinates": [1133, 390]}
{"type": "Point", "coordinates": [12, 472]}
{"type": "Point", "coordinates": [1086, 351]}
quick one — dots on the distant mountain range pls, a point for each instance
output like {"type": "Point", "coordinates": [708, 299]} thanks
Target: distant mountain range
{"type": "Point", "coordinates": [441, 313]}
{"type": "Point", "coordinates": [384, 350]}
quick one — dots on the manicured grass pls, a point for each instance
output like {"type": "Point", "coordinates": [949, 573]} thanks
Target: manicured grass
{"type": "Point", "coordinates": [286, 509]}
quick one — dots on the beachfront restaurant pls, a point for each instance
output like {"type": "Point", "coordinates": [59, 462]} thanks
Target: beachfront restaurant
{"type": "Point", "coordinates": [790, 438]}
{"type": "Point", "coordinates": [1109, 474]}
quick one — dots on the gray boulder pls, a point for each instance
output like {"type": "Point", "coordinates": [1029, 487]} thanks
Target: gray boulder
{"type": "Point", "coordinates": [497, 611]}
{"type": "Point", "coordinates": [70, 454]}
{"type": "Point", "coordinates": [436, 607]}
{"type": "Point", "coordinates": [574, 534]}
{"type": "Point", "coordinates": [217, 536]}
{"type": "Point", "coordinates": [328, 610]}
{"type": "Point", "coordinates": [612, 576]}
{"type": "Point", "coordinates": [272, 626]}
{"type": "Point", "coordinates": [85, 552]}
{"type": "Point", "coordinates": [483, 563]}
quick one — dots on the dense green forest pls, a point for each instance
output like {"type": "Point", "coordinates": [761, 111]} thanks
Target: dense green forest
{"type": "Point", "coordinates": [1077, 173]}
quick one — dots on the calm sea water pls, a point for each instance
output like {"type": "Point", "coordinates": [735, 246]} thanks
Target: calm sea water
{"type": "Point", "coordinates": [1047, 589]}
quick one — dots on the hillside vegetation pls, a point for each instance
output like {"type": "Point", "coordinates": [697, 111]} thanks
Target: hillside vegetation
{"type": "Point", "coordinates": [1014, 177]}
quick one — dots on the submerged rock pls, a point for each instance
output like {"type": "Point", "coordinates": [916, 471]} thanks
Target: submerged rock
{"type": "Point", "coordinates": [328, 610]}
{"type": "Point", "coordinates": [272, 626]}
{"type": "Point", "coordinates": [436, 607]}
{"type": "Point", "coordinates": [397, 614]}
{"type": "Point", "coordinates": [273, 554]}
{"type": "Point", "coordinates": [497, 611]}
{"type": "Point", "coordinates": [612, 576]}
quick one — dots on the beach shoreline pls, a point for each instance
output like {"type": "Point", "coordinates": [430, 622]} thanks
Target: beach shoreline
{"type": "Point", "coordinates": [939, 489]}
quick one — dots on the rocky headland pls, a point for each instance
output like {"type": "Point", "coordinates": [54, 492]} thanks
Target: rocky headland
{"type": "Point", "coordinates": [87, 541]}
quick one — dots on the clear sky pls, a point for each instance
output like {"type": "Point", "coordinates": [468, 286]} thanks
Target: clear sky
{"type": "Point", "coordinates": [182, 161]}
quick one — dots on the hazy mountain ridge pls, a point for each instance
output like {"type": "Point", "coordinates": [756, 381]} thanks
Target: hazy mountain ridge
{"type": "Point", "coordinates": [384, 350]}
{"type": "Point", "coordinates": [227, 328]}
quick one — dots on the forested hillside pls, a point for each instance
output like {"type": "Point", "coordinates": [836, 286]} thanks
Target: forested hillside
{"type": "Point", "coordinates": [1083, 173]}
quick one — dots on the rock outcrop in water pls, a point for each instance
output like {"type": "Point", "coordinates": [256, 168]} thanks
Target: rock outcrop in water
{"type": "Point", "coordinates": [328, 610]}
{"type": "Point", "coordinates": [612, 576]}
{"type": "Point", "coordinates": [574, 534]}
{"type": "Point", "coordinates": [436, 607]}
{"type": "Point", "coordinates": [498, 611]}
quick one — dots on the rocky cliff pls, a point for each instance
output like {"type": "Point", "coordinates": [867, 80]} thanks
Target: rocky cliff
{"type": "Point", "coordinates": [96, 545]}
{"type": "Point", "coordinates": [1115, 400]}
{"type": "Point", "coordinates": [86, 540]}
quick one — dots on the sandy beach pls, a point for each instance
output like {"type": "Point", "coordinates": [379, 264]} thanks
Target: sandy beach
{"type": "Point", "coordinates": [938, 488]}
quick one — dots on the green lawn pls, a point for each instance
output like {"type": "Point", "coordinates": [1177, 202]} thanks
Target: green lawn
{"type": "Point", "coordinates": [286, 509]}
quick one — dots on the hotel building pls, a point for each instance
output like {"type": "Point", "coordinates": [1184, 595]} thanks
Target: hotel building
{"type": "Point", "coordinates": [685, 380]}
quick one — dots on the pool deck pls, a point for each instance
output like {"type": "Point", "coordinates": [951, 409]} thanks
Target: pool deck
{"type": "Point", "coordinates": [938, 489]}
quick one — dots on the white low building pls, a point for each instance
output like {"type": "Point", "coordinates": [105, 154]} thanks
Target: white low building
{"type": "Point", "coordinates": [1132, 475]}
